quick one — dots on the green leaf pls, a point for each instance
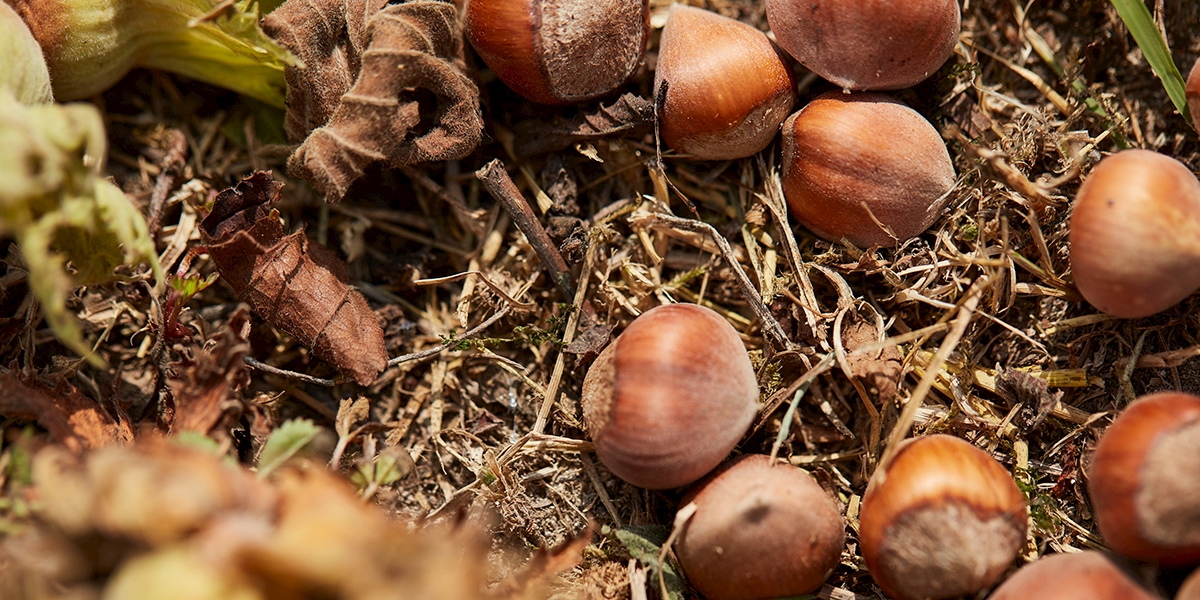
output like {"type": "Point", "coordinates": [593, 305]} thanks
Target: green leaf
{"type": "Point", "coordinates": [191, 285]}
{"type": "Point", "coordinates": [390, 466]}
{"type": "Point", "coordinates": [1141, 25]}
{"type": "Point", "coordinates": [284, 443]}
{"type": "Point", "coordinates": [73, 226]}
{"type": "Point", "coordinates": [644, 544]}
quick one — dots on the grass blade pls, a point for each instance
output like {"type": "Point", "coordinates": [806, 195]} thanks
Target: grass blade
{"type": "Point", "coordinates": [1137, 18]}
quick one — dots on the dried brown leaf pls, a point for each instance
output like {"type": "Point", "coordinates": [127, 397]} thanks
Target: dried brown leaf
{"type": "Point", "coordinates": [628, 113]}
{"type": "Point", "coordinates": [206, 388]}
{"type": "Point", "coordinates": [70, 417]}
{"type": "Point", "coordinates": [298, 286]}
{"type": "Point", "coordinates": [880, 370]}
{"type": "Point", "coordinates": [1034, 393]}
{"type": "Point", "coordinates": [381, 83]}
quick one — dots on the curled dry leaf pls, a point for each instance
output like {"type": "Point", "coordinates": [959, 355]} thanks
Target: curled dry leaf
{"type": "Point", "coordinates": [879, 370]}
{"type": "Point", "coordinates": [70, 417]}
{"type": "Point", "coordinates": [381, 83]}
{"type": "Point", "coordinates": [626, 114]}
{"type": "Point", "coordinates": [205, 387]}
{"type": "Point", "coordinates": [299, 287]}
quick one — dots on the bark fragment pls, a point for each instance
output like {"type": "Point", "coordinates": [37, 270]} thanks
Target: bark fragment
{"type": "Point", "coordinates": [380, 83]}
{"type": "Point", "coordinates": [297, 286]}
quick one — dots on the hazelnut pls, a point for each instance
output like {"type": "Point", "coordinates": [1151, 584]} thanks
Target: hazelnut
{"type": "Point", "coordinates": [1135, 234]}
{"type": "Point", "coordinates": [867, 44]}
{"type": "Point", "coordinates": [1190, 590]}
{"type": "Point", "coordinates": [728, 87]}
{"type": "Point", "coordinates": [559, 51]}
{"type": "Point", "coordinates": [945, 520]}
{"type": "Point", "coordinates": [1088, 575]}
{"type": "Point", "coordinates": [864, 167]}
{"type": "Point", "coordinates": [760, 530]}
{"type": "Point", "coordinates": [666, 402]}
{"type": "Point", "coordinates": [1144, 480]}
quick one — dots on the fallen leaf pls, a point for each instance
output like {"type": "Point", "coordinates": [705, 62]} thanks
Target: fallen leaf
{"type": "Point", "coordinates": [205, 388]}
{"type": "Point", "coordinates": [299, 286]}
{"type": "Point", "coordinates": [626, 114]}
{"type": "Point", "coordinates": [382, 82]}
{"type": "Point", "coordinates": [879, 370]}
{"type": "Point", "coordinates": [70, 417]}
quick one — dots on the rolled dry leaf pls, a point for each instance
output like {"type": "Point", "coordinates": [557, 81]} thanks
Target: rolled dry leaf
{"type": "Point", "coordinates": [382, 83]}
{"type": "Point", "coordinates": [297, 286]}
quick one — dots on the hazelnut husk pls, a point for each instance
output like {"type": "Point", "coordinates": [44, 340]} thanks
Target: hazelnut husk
{"type": "Point", "coordinates": [760, 530]}
{"type": "Point", "coordinates": [728, 87]}
{"type": "Point", "coordinates": [864, 167]}
{"type": "Point", "coordinates": [1144, 480]}
{"type": "Point", "coordinates": [1135, 234]}
{"type": "Point", "coordinates": [668, 400]}
{"type": "Point", "coordinates": [1087, 575]}
{"type": "Point", "coordinates": [867, 44]}
{"type": "Point", "coordinates": [559, 51]}
{"type": "Point", "coordinates": [944, 520]}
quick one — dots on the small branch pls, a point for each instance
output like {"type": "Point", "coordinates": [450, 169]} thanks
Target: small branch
{"type": "Point", "coordinates": [264, 367]}
{"type": "Point", "coordinates": [172, 164]}
{"type": "Point", "coordinates": [497, 182]}
{"type": "Point", "coordinates": [465, 336]}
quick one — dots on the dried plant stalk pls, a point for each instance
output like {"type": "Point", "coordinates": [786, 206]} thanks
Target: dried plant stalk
{"type": "Point", "coordinates": [299, 287]}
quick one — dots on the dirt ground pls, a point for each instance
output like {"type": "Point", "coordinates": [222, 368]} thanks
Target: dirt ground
{"type": "Point", "coordinates": [493, 422]}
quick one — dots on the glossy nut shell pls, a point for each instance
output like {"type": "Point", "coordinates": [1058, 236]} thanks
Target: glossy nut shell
{"type": "Point", "coordinates": [666, 402]}
{"type": "Point", "coordinates": [864, 167]}
{"type": "Point", "coordinates": [1087, 575]}
{"type": "Point", "coordinates": [559, 51]}
{"type": "Point", "coordinates": [1135, 234]}
{"type": "Point", "coordinates": [947, 520]}
{"type": "Point", "coordinates": [1144, 480]}
{"type": "Point", "coordinates": [760, 530]}
{"type": "Point", "coordinates": [867, 44]}
{"type": "Point", "coordinates": [728, 88]}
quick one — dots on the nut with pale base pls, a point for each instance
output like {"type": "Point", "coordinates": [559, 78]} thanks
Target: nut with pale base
{"type": "Point", "coordinates": [1193, 93]}
{"type": "Point", "coordinates": [864, 167]}
{"type": "Point", "coordinates": [1087, 575]}
{"type": "Point", "coordinates": [944, 520]}
{"type": "Point", "coordinates": [559, 51]}
{"type": "Point", "coordinates": [1135, 234]}
{"type": "Point", "coordinates": [666, 402]}
{"type": "Point", "coordinates": [867, 44]}
{"type": "Point", "coordinates": [760, 530]}
{"type": "Point", "coordinates": [1144, 480]}
{"type": "Point", "coordinates": [728, 88]}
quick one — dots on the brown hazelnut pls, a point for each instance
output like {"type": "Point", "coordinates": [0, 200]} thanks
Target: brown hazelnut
{"type": "Point", "coordinates": [559, 51]}
{"type": "Point", "coordinates": [864, 167]}
{"type": "Point", "coordinates": [1144, 480]}
{"type": "Point", "coordinates": [1088, 575]}
{"type": "Point", "coordinates": [760, 530]}
{"type": "Point", "coordinates": [667, 401]}
{"type": "Point", "coordinates": [867, 44]}
{"type": "Point", "coordinates": [1135, 234]}
{"type": "Point", "coordinates": [728, 87]}
{"type": "Point", "coordinates": [944, 520]}
{"type": "Point", "coordinates": [1190, 590]}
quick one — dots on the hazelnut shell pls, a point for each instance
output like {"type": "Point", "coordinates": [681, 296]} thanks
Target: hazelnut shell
{"type": "Point", "coordinates": [1088, 575]}
{"type": "Point", "coordinates": [1190, 590]}
{"type": "Point", "coordinates": [1192, 92]}
{"type": "Point", "coordinates": [728, 86]}
{"type": "Point", "coordinates": [867, 44]}
{"type": "Point", "coordinates": [855, 164]}
{"type": "Point", "coordinates": [1135, 234]}
{"type": "Point", "coordinates": [760, 530]}
{"type": "Point", "coordinates": [559, 51]}
{"type": "Point", "coordinates": [1144, 480]}
{"type": "Point", "coordinates": [945, 520]}
{"type": "Point", "coordinates": [666, 402]}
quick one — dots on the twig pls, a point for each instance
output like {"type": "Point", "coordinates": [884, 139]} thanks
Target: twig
{"type": "Point", "coordinates": [172, 163]}
{"type": "Point", "coordinates": [497, 182]}
{"type": "Point", "coordinates": [264, 367]}
{"type": "Point", "coordinates": [470, 333]}
{"type": "Point", "coordinates": [771, 327]}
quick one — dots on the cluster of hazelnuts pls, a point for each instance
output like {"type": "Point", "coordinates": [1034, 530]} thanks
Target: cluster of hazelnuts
{"type": "Point", "coordinates": [668, 401]}
{"type": "Point", "coordinates": [726, 90]}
